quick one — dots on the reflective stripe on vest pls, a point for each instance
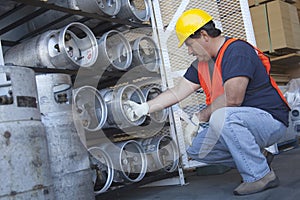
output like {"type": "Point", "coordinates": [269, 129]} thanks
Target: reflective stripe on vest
{"type": "Point", "coordinates": [214, 88]}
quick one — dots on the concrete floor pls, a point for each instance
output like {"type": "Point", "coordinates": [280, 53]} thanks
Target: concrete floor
{"type": "Point", "coordinates": [219, 187]}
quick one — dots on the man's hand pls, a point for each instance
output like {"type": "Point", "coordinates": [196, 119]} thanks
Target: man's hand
{"type": "Point", "coordinates": [135, 111]}
{"type": "Point", "coordinates": [191, 130]}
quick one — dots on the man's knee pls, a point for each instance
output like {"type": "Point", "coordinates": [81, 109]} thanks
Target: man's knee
{"type": "Point", "coordinates": [217, 119]}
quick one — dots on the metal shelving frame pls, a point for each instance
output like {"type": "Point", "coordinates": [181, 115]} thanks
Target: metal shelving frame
{"type": "Point", "coordinates": [163, 32]}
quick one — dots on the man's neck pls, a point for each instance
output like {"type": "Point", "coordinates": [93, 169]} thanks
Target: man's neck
{"type": "Point", "coordinates": [218, 43]}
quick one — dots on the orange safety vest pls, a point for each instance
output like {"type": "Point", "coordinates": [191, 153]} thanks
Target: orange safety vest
{"type": "Point", "coordinates": [214, 88]}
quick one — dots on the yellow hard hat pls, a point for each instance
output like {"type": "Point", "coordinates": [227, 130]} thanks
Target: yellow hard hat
{"type": "Point", "coordinates": [189, 22]}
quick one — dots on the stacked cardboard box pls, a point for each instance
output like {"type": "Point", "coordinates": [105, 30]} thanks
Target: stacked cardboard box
{"type": "Point", "coordinates": [276, 26]}
{"type": "Point", "coordinates": [297, 4]}
{"type": "Point", "coordinates": [261, 27]}
{"type": "Point", "coordinates": [256, 2]}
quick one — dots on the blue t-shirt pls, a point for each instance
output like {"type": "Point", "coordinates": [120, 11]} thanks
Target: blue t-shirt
{"type": "Point", "coordinates": [240, 59]}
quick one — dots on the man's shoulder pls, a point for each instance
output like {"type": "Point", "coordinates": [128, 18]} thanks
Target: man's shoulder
{"type": "Point", "coordinates": [240, 47]}
{"type": "Point", "coordinates": [241, 44]}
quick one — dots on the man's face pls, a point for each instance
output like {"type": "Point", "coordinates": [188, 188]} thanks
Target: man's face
{"type": "Point", "coordinates": [196, 48]}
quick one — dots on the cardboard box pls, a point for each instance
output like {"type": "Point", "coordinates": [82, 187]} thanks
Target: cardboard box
{"type": "Point", "coordinates": [256, 2]}
{"type": "Point", "coordinates": [276, 26]}
{"type": "Point", "coordinates": [297, 4]}
{"type": "Point", "coordinates": [283, 25]}
{"type": "Point", "coordinates": [260, 26]}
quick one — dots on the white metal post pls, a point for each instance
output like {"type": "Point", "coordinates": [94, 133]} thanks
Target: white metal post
{"type": "Point", "coordinates": [1, 55]}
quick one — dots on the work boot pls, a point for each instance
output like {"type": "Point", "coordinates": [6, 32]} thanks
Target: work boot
{"type": "Point", "coordinates": [268, 181]}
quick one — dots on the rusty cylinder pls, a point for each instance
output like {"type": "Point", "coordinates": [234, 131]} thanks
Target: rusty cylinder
{"type": "Point", "coordinates": [69, 159]}
{"type": "Point", "coordinates": [24, 158]}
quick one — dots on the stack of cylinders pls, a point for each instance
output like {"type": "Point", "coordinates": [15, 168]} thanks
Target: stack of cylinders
{"type": "Point", "coordinates": [114, 99]}
{"type": "Point", "coordinates": [69, 158]}
{"type": "Point", "coordinates": [24, 158]}
{"type": "Point", "coordinates": [63, 49]}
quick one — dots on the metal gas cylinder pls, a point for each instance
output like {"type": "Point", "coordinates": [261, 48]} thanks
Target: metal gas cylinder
{"type": "Point", "coordinates": [145, 53]}
{"type": "Point", "coordinates": [70, 47]}
{"type": "Point", "coordinates": [151, 91]}
{"type": "Point", "coordinates": [90, 108]}
{"type": "Point", "coordinates": [114, 99]}
{"type": "Point", "coordinates": [295, 119]}
{"type": "Point", "coordinates": [103, 171]}
{"type": "Point", "coordinates": [24, 158]}
{"type": "Point", "coordinates": [154, 122]}
{"type": "Point", "coordinates": [129, 160]}
{"type": "Point", "coordinates": [101, 7]}
{"type": "Point", "coordinates": [47, 18]}
{"type": "Point", "coordinates": [134, 10]}
{"type": "Point", "coordinates": [114, 52]}
{"type": "Point", "coordinates": [162, 153]}
{"type": "Point", "coordinates": [69, 159]}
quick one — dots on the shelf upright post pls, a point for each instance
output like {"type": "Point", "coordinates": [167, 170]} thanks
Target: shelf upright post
{"type": "Point", "coordinates": [1, 55]}
{"type": "Point", "coordinates": [162, 36]}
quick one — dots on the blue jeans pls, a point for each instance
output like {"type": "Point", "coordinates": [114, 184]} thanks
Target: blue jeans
{"type": "Point", "coordinates": [235, 138]}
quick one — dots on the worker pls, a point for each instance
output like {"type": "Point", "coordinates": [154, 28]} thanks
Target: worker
{"type": "Point", "coordinates": [245, 109]}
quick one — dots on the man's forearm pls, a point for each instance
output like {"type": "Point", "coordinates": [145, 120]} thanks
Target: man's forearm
{"type": "Point", "coordinates": [164, 100]}
{"type": "Point", "coordinates": [204, 115]}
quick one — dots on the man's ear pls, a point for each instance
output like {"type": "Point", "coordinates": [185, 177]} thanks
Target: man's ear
{"type": "Point", "coordinates": [204, 35]}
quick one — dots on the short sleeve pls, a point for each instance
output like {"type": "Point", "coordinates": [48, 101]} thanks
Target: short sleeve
{"type": "Point", "coordinates": [191, 73]}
